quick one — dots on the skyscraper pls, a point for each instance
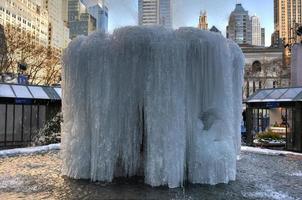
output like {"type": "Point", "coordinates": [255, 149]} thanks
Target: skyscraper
{"type": "Point", "coordinates": [100, 13]}
{"type": "Point", "coordinates": [287, 17]}
{"type": "Point", "coordinates": [29, 16]}
{"type": "Point", "coordinates": [256, 31]}
{"type": "Point", "coordinates": [58, 33]}
{"type": "Point", "coordinates": [80, 22]}
{"type": "Point", "coordinates": [239, 27]}
{"type": "Point", "coordinates": [99, 10]}
{"type": "Point", "coordinates": [203, 21]}
{"type": "Point", "coordinates": [155, 12]}
{"type": "Point", "coordinates": [263, 37]}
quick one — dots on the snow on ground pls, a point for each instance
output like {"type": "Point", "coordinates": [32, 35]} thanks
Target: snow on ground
{"type": "Point", "coordinates": [10, 182]}
{"type": "Point", "coordinates": [29, 150]}
{"type": "Point", "coordinates": [267, 192]}
{"type": "Point", "coordinates": [297, 174]}
{"type": "Point", "coordinates": [268, 151]}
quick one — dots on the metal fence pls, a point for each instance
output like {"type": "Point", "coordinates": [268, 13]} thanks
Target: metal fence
{"type": "Point", "coordinates": [19, 123]}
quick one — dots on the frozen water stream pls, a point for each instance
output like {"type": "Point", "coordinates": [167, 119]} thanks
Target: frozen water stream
{"type": "Point", "coordinates": [154, 102]}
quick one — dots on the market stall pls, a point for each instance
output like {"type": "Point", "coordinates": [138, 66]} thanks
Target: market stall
{"type": "Point", "coordinates": [24, 109]}
{"type": "Point", "coordinates": [274, 118]}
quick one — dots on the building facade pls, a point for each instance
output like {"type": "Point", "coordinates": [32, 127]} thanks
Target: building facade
{"type": "Point", "coordinates": [256, 31]}
{"type": "Point", "coordinates": [28, 15]}
{"type": "Point", "coordinates": [263, 37]}
{"type": "Point", "coordinates": [287, 17]}
{"type": "Point", "coordinates": [100, 12]}
{"type": "Point", "coordinates": [203, 21]}
{"type": "Point", "coordinates": [239, 27]}
{"type": "Point", "coordinates": [264, 68]}
{"type": "Point", "coordinates": [155, 12]}
{"type": "Point", "coordinates": [58, 32]}
{"type": "Point", "coordinates": [65, 12]}
{"type": "Point", "coordinates": [80, 22]}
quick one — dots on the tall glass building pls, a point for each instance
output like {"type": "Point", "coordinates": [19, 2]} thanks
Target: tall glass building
{"type": "Point", "coordinates": [239, 27]}
{"type": "Point", "coordinates": [155, 12]}
{"type": "Point", "coordinates": [80, 22]}
{"type": "Point", "coordinates": [100, 13]}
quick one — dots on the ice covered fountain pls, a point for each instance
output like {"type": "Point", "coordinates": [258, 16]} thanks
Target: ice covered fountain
{"type": "Point", "coordinates": [152, 102]}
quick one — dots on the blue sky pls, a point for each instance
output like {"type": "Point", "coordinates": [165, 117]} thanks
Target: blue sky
{"type": "Point", "coordinates": [186, 13]}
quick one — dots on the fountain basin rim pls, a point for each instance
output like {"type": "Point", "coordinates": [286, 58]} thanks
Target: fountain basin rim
{"type": "Point", "coordinates": [29, 150]}
{"type": "Point", "coordinates": [268, 152]}
{"type": "Point", "coordinates": [56, 147]}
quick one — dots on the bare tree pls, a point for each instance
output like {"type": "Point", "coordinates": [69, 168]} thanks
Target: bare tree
{"type": "Point", "coordinates": [52, 70]}
{"type": "Point", "coordinates": [43, 63]}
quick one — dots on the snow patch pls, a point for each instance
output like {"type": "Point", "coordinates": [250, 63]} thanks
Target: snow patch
{"type": "Point", "coordinates": [10, 182]}
{"type": "Point", "coordinates": [268, 151]}
{"type": "Point", "coordinates": [267, 192]}
{"type": "Point", "coordinates": [29, 150]}
{"type": "Point", "coordinates": [299, 174]}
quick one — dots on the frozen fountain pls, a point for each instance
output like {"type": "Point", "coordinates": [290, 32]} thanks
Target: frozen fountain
{"type": "Point", "coordinates": [152, 102]}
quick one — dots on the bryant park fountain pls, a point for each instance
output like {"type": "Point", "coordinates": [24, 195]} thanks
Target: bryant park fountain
{"type": "Point", "coordinates": [152, 102]}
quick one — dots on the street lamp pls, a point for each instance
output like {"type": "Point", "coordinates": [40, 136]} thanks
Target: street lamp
{"type": "Point", "coordinates": [22, 79]}
{"type": "Point", "coordinates": [22, 67]}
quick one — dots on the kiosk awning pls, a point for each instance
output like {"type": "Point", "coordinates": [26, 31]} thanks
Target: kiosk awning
{"type": "Point", "coordinates": [277, 95]}
{"type": "Point", "coordinates": [30, 91]}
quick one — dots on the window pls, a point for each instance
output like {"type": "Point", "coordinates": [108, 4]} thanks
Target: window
{"type": "Point", "coordinates": [254, 86]}
{"type": "Point", "coordinates": [274, 84]}
{"type": "Point", "coordinates": [256, 66]}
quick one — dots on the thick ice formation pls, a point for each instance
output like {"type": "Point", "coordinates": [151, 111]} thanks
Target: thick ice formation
{"type": "Point", "coordinates": [154, 102]}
